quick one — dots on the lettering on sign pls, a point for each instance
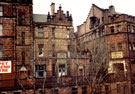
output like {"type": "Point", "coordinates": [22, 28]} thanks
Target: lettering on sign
{"type": "Point", "coordinates": [117, 55]}
{"type": "Point", "coordinates": [5, 66]}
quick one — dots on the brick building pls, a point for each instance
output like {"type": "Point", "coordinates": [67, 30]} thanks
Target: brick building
{"type": "Point", "coordinates": [48, 57]}
{"type": "Point", "coordinates": [108, 38]}
{"type": "Point", "coordinates": [16, 42]}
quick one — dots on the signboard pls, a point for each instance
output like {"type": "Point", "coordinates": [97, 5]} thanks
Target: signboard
{"type": "Point", "coordinates": [5, 67]}
{"type": "Point", "coordinates": [117, 55]}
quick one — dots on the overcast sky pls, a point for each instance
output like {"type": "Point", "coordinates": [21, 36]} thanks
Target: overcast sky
{"type": "Point", "coordinates": [80, 8]}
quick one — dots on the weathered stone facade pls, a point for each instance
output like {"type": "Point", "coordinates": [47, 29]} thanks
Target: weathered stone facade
{"type": "Point", "coordinates": [49, 58]}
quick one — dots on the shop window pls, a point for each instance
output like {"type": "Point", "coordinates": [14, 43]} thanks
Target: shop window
{"type": "Point", "coordinates": [40, 32]}
{"type": "Point", "coordinates": [40, 71]}
{"type": "Point", "coordinates": [40, 49]}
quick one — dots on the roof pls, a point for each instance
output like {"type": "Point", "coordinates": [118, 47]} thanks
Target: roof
{"type": "Point", "coordinates": [39, 18]}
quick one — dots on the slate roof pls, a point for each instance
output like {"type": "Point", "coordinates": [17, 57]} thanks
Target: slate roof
{"type": "Point", "coordinates": [39, 18]}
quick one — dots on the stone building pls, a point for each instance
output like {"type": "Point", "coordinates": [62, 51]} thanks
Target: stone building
{"type": "Point", "coordinates": [108, 38]}
{"type": "Point", "coordinates": [48, 57]}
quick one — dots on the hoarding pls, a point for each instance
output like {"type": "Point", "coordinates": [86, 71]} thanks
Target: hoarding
{"type": "Point", "coordinates": [5, 67]}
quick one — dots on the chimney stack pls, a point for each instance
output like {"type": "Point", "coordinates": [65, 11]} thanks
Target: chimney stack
{"type": "Point", "coordinates": [52, 8]}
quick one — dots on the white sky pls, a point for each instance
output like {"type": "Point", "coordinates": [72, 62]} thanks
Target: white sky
{"type": "Point", "coordinates": [80, 8]}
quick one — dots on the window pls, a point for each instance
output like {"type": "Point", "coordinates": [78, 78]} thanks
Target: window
{"type": "Point", "coordinates": [84, 90]}
{"type": "Point", "coordinates": [112, 47]}
{"type": "Point", "coordinates": [112, 29]}
{"type": "Point", "coordinates": [42, 92]}
{"type": "Point", "coordinates": [53, 70]}
{"type": "Point", "coordinates": [126, 89]}
{"type": "Point", "coordinates": [133, 46]}
{"type": "Point", "coordinates": [1, 28]}
{"type": "Point", "coordinates": [17, 92]}
{"type": "Point", "coordinates": [118, 89]}
{"type": "Point", "coordinates": [54, 91]}
{"type": "Point", "coordinates": [23, 58]}
{"type": "Point", "coordinates": [62, 70]}
{"type": "Point", "coordinates": [22, 19]}
{"type": "Point", "coordinates": [40, 49]}
{"type": "Point", "coordinates": [0, 50]}
{"type": "Point", "coordinates": [133, 29]}
{"type": "Point", "coordinates": [40, 71]}
{"type": "Point", "coordinates": [74, 90]}
{"type": "Point", "coordinates": [118, 28]}
{"type": "Point", "coordinates": [67, 33]}
{"type": "Point", "coordinates": [53, 32]}
{"type": "Point", "coordinates": [119, 46]}
{"type": "Point", "coordinates": [53, 50]}
{"type": "Point", "coordinates": [1, 11]}
{"type": "Point", "coordinates": [23, 38]}
{"type": "Point", "coordinates": [130, 46]}
{"type": "Point", "coordinates": [106, 89]}
{"type": "Point", "coordinates": [40, 32]}
{"type": "Point", "coordinates": [128, 28]}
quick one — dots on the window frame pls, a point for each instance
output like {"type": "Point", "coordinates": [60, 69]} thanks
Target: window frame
{"type": "Point", "coordinates": [112, 29]}
{"type": "Point", "coordinates": [40, 32]}
{"type": "Point", "coordinates": [1, 50]}
{"type": "Point", "coordinates": [1, 10]}
{"type": "Point", "coordinates": [39, 69]}
{"type": "Point", "coordinates": [1, 29]}
{"type": "Point", "coordinates": [40, 50]}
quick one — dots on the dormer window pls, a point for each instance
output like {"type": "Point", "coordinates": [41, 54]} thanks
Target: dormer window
{"type": "Point", "coordinates": [94, 21]}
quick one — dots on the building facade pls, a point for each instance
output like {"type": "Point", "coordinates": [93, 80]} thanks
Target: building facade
{"type": "Point", "coordinates": [48, 57]}
{"type": "Point", "coordinates": [108, 38]}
